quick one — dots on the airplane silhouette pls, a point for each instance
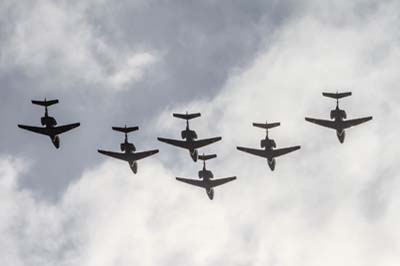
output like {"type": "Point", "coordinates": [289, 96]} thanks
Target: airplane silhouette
{"type": "Point", "coordinates": [190, 143]}
{"type": "Point", "coordinates": [128, 149]}
{"type": "Point", "coordinates": [207, 182]}
{"type": "Point", "coordinates": [50, 124]}
{"type": "Point", "coordinates": [338, 115]}
{"type": "Point", "coordinates": [268, 152]}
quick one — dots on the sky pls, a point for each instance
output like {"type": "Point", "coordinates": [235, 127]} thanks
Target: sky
{"type": "Point", "coordinates": [112, 63]}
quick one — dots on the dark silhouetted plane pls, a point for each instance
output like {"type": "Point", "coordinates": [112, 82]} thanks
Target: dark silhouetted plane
{"type": "Point", "coordinates": [268, 152]}
{"type": "Point", "coordinates": [50, 124]}
{"type": "Point", "coordinates": [190, 143]}
{"type": "Point", "coordinates": [207, 178]}
{"type": "Point", "coordinates": [338, 115]}
{"type": "Point", "coordinates": [128, 149]}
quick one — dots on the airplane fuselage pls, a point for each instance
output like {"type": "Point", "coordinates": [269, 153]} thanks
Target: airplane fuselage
{"type": "Point", "coordinates": [269, 144]}
{"type": "Point", "coordinates": [206, 176]}
{"type": "Point", "coordinates": [50, 122]}
{"type": "Point", "coordinates": [190, 136]}
{"type": "Point", "coordinates": [130, 148]}
{"type": "Point", "coordinates": [338, 115]}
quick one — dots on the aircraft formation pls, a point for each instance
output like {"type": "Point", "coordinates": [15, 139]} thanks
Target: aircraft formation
{"type": "Point", "coordinates": [189, 141]}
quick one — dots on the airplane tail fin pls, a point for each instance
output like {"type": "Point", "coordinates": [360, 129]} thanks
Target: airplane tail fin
{"type": "Point", "coordinates": [125, 129]}
{"type": "Point", "coordinates": [186, 116]}
{"type": "Point", "coordinates": [207, 157]}
{"type": "Point", "coordinates": [45, 103]}
{"type": "Point", "coordinates": [266, 125]}
{"type": "Point", "coordinates": [336, 95]}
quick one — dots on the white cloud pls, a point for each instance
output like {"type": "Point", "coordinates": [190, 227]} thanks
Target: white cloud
{"type": "Point", "coordinates": [133, 69]}
{"type": "Point", "coordinates": [55, 41]}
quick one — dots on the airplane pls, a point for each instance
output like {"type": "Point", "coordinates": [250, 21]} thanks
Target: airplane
{"type": "Point", "coordinates": [338, 115]}
{"type": "Point", "coordinates": [50, 124]}
{"type": "Point", "coordinates": [190, 141]}
{"type": "Point", "coordinates": [207, 178]}
{"type": "Point", "coordinates": [129, 150]}
{"type": "Point", "coordinates": [269, 150]}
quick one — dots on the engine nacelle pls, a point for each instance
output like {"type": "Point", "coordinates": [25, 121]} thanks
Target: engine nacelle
{"type": "Point", "coordinates": [206, 174]}
{"type": "Point", "coordinates": [333, 114]}
{"type": "Point", "coordinates": [194, 134]}
{"type": "Point", "coordinates": [268, 143]}
{"type": "Point", "coordinates": [48, 121]}
{"type": "Point", "coordinates": [272, 143]}
{"type": "Point", "coordinates": [128, 147]}
{"type": "Point", "coordinates": [189, 134]}
{"type": "Point", "coordinates": [343, 114]}
{"type": "Point", "coordinates": [338, 113]}
{"type": "Point", "coordinates": [263, 143]}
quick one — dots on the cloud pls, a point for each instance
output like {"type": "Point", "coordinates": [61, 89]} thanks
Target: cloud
{"type": "Point", "coordinates": [56, 42]}
{"type": "Point", "coordinates": [133, 70]}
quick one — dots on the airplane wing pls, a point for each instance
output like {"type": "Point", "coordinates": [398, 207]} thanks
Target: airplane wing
{"type": "Point", "coordinates": [62, 129]}
{"type": "Point", "coordinates": [174, 142]}
{"type": "Point", "coordinates": [50, 131]}
{"type": "Point", "coordinates": [283, 151]}
{"type": "Point", "coordinates": [198, 183]}
{"type": "Point", "coordinates": [210, 184]}
{"type": "Point", "coordinates": [257, 152]}
{"type": "Point", "coordinates": [220, 181]}
{"type": "Point", "coordinates": [324, 123]}
{"type": "Point", "coordinates": [129, 157]}
{"type": "Point", "coordinates": [355, 122]}
{"type": "Point", "coordinates": [204, 142]}
{"type": "Point", "coordinates": [190, 145]}
{"type": "Point", "coordinates": [269, 154]}
{"type": "Point", "coordinates": [39, 130]}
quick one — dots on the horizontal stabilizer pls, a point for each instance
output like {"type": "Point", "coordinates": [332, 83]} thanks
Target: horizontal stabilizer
{"type": "Point", "coordinates": [45, 102]}
{"type": "Point", "coordinates": [207, 157]}
{"type": "Point", "coordinates": [125, 129]}
{"type": "Point", "coordinates": [186, 116]}
{"type": "Point", "coordinates": [266, 125]}
{"type": "Point", "coordinates": [336, 95]}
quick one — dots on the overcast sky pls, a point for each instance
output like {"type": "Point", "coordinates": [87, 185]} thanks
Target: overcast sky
{"type": "Point", "coordinates": [112, 63]}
